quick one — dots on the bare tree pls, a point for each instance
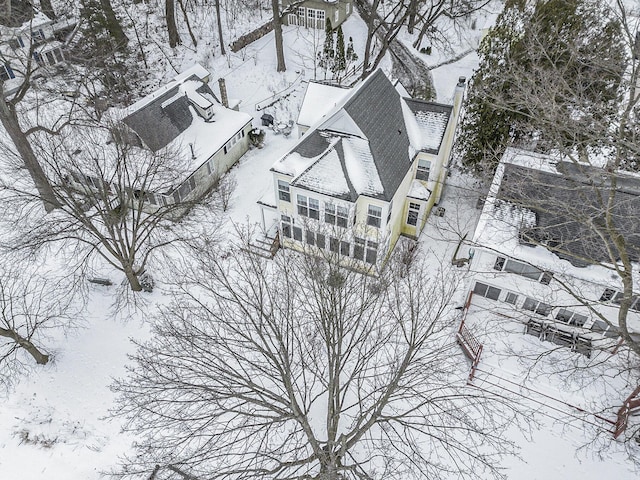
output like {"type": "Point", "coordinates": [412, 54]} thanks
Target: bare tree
{"type": "Point", "coordinates": [300, 368]}
{"type": "Point", "coordinates": [31, 307]}
{"type": "Point", "coordinates": [574, 103]}
{"type": "Point", "coordinates": [117, 201]}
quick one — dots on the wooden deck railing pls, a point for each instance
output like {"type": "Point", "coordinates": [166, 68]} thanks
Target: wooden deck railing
{"type": "Point", "coordinates": [468, 342]}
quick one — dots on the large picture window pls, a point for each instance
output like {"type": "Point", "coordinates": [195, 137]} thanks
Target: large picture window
{"type": "Point", "coordinates": [524, 269]}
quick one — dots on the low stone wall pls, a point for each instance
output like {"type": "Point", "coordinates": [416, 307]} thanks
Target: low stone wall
{"type": "Point", "coordinates": [251, 37]}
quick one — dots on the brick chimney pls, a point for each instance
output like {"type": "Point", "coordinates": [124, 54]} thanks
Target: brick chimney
{"type": "Point", "coordinates": [223, 93]}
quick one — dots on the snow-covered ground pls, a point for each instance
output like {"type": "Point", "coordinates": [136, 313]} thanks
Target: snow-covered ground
{"type": "Point", "coordinates": [54, 423]}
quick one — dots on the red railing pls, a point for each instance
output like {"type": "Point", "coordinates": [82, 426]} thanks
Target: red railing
{"type": "Point", "coordinates": [468, 342]}
{"type": "Point", "coordinates": [631, 403]}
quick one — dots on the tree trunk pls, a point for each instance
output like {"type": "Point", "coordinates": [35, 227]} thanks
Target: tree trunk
{"type": "Point", "coordinates": [219, 19]}
{"type": "Point", "coordinates": [172, 29]}
{"type": "Point", "coordinates": [413, 12]}
{"type": "Point", "coordinates": [277, 30]}
{"type": "Point", "coordinates": [38, 356]}
{"type": "Point", "coordinates": [132, 278]}
{"type": "Point", "coordinates": [186, 19]}
{"type": "Point", "coordinates": [9, 120]}
{"type": "Point", "coordinates": [47, 9]}
{"type": "Point", "coordinates": [113, 25]}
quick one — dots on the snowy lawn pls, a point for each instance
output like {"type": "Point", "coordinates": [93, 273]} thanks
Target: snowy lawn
{"type": "Point", "coordinates": [53, 423]}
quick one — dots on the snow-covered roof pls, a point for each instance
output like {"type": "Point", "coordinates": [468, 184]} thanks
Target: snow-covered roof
{"type": "Point", "coordinates": [426, 123]}
{"type": "Point", "coordinates": [319, 99]}
{"type": "Point", "coordinates": [542, 209]}
{"type": "Point", "coordinates": [197, 71]}
{"type": "Point", "coordinates": [369, 132]}
{"type": "Point", "coordinates": [167, 118]}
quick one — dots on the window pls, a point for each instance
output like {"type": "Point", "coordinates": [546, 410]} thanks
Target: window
{"type": "Point", "coordinates": [607, 295]}
{"type": "Point", "coordinates": [297, 233]}
{"type": "Point", "coordinates": [52, 56]}
{"type": "Point", "coordinates": [303, 206]}
{"type": "Point", "coordinates": [320, 240]}
{"type": "Point", "coordinates": [611, 295]}
{"type": "Point", "coordinates": [487, 291]}
{"type": "Point", "coordinates": [534, 305]}
{"type": "Point", "coordinates": [600, 326]}
{"type": "Point", "coordinates": [348, 8]}
{"type": "Point", "coordinates": [424, 167]}
{"type": "Point", "coordinates": [333, 244]}
{"type": "Point", "coordinates": [374, 216]}
{"type": "Point", "coordinates": [358, 248]}
{"type": "Point", "coordinates": [336, 215]}
{"type": "Point", "coordinates": [314, 208]}
{"type": "Point", "coordinates": [345, 248]}
{"type": "Point", "coordinates": [283, 191]}
{"type": "Point", "coordinates": [309, 207]}
{"type": "Point", "coordinates": [414, 211]}
{"type": "Point", "coordinates": [523, 269]}
{"type": "Point", "coordinates": [336, 17]}
{"type": "Point", "coordinates": [546, 278]}
{"type": "Point", "coordinates": [311, 237]}
{"type": "Point", "coordinates": [229, 145]}
{"type": "Point", "coordinates": [37, 35]}
{"type": "Point", "coordinates": [185, 189]}
{"type": "Point", "coordinates": [6, 72]}
{"type": "Point", "coordinates": [315, 18]}
{"type": "Point", "coordinates": [511, 298]}
{"type": "Point", "coordinates": [572, 318]}
{"type": "Point", "coordinates": [286, 226]}
{"type": "Point", "coordinates": [372, 252]}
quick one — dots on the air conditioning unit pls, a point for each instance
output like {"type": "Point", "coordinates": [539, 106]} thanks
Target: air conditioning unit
{"type": "Point", "coordinates": [439, 211]}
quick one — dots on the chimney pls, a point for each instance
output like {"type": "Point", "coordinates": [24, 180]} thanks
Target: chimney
{"type": "Point", "coordinates": [223, 93]}
{"type": "Point", "coordinates": [458, 95]}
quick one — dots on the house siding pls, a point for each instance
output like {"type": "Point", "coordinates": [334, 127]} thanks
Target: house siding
{"type": "Point", "coordinates": [553, 294]}
{"type": "Point", "coordinates": [343, 10]}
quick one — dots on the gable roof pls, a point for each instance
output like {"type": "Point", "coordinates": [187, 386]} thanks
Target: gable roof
{"type": "Point", "coordinates": [367, 136]}
{"type": "Point", "coordinates": [169, 118]}
{"type": "Point", "coordinates": [568, 202]}
{"type": "Point", "coordinates": [319, 99]}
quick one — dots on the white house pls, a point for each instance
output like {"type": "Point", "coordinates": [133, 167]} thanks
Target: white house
{"type": "Point", "coordinates": [537, 259]}
{"type": "Point", "coordinates": [186, 117]}
{"type": "Point", "coordinates": [365, 172]}
{"type": "Point", "coordinates": [39, 37]}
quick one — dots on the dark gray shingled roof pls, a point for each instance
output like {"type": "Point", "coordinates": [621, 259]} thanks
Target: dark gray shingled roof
{"type": "Point", "coordinates": [157, 127]}
{"type": "Point", "coordinates": [377, 110]}
{"type": "Point", "coordinates": [569, 208]}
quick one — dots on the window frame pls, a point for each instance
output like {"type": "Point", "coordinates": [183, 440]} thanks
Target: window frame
{"type": "Point", "coordinates": [413, 214]}
{"type": "Point", "coordinates": [487, 291]}
{"type": "Point", "coordinates": [284, 191]}
{"type": "Point", "coordinates": [422, 171]}
{"type": "Point", "coordinates": [374, 218]}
